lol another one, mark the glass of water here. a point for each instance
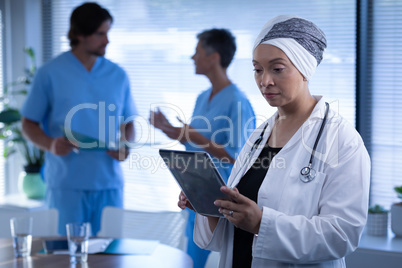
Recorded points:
(78, 236)
(21, 231)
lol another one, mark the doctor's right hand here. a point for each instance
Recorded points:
(61, 146)
(183, 202)
(159, 120)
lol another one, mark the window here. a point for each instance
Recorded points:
(2, 160)
(385, 81)
(154, 41)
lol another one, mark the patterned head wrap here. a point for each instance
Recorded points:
(301, 40)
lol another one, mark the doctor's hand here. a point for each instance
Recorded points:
(62, 146)
(243, 212)
(120, 154)
(183, 202)
(159, 121)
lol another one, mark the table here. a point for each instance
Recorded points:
(163, 256)
(377, 251)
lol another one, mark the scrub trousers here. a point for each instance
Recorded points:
(82, 206)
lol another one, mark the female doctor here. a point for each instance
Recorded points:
(299, 188)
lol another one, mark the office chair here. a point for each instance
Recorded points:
(168, 227)
(44, 221)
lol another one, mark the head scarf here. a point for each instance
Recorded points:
(301, 40)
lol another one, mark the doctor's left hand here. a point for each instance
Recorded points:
(243, 212)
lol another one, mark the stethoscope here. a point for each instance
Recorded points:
(257, 142)
(246, 162)
(307, 173)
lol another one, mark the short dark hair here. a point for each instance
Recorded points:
(221, 41)
(85, 20)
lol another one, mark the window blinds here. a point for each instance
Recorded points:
(386, 87)
(2, 84)
(154, 41)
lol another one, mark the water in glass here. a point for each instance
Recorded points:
(22, 245)
(78, 247)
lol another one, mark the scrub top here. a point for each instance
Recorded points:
(227, 119)
(93, 103)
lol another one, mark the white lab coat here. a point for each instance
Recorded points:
(312, 224)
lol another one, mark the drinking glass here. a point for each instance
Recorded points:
(78, 236)
(21, 231)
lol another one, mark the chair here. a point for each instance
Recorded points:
(44, 221)
(166, 226)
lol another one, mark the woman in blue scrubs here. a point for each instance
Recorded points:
(222, 118)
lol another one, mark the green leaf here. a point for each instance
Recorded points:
(32, 69)
(10, 116)
(18, 139)
(19, 92)
(30, 52)
(10, 127)
(8, 150)
(377, 209)
(398, 190)
(8, 88)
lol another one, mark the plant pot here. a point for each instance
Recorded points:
(396, 219)
(377, 224)
(31, 183)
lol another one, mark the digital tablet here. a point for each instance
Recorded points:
(197, 177)
(51, 246)
(85, 142)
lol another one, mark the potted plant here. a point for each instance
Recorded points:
(377, 221)
(396, 213)
(30, 181)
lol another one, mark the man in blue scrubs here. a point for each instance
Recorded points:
(78, 95)
(222, 118)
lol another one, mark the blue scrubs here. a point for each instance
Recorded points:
(93, 103)
(227, 119)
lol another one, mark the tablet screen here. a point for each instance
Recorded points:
(197, 177)
(55, 245)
